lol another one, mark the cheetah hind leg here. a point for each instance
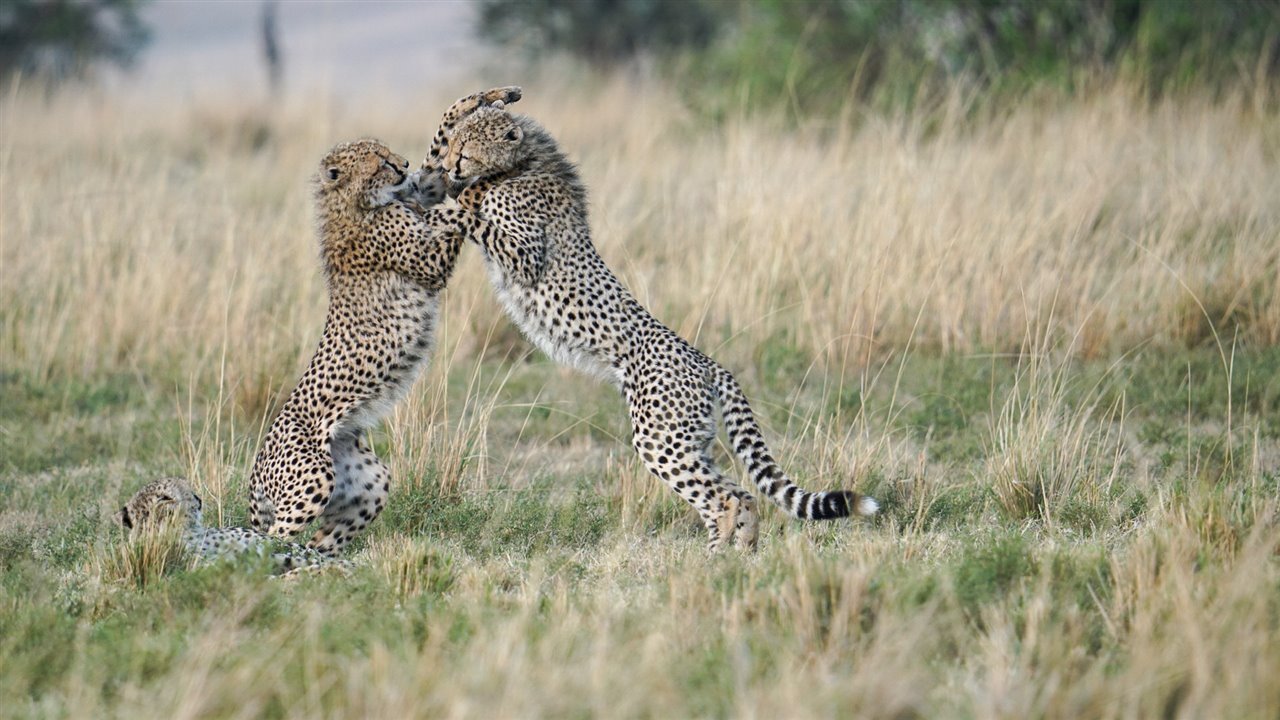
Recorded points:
(736, 517)
(729, 513)
(360, 492)
(739, 520)
(727, 510)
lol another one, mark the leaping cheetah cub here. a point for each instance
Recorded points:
(386, 262)
(537, 245)
(171, 500)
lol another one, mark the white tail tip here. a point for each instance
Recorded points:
(867, 506)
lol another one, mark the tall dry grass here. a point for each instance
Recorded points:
(145, 239)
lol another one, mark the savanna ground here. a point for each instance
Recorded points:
(1044, 337)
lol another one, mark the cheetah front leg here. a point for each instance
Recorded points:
(431, 172)
(424, 246)
(362, 483)
(462, 107)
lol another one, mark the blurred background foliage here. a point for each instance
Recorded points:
(809, 56)
(816, 55)
(59, 39)
(601, 31)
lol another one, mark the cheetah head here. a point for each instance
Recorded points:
(361, 175)
(166, 500)
(488, 142)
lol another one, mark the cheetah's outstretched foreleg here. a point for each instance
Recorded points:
(430, 183)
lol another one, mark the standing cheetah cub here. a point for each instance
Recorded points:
(385, 262)
(537, 245)
(171, 500)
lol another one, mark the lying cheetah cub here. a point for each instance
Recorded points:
(386, 262)
(172, 500)
(537, 245)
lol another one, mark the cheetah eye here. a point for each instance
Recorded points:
(333, 173)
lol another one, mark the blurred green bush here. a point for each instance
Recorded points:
(601, 31)
(817, 54)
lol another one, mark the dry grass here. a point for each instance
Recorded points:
(1050, 448)
(145, 558)
(140, 238)
(1083, 524)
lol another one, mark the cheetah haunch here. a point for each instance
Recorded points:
(553, 283)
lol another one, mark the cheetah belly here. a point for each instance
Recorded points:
(412, 353)
(522, 307)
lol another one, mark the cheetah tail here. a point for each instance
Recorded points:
(749, 445)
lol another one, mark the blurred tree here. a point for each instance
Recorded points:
(59, 39)
(601, 31)
(271, 47)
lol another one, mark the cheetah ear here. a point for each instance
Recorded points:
(515, 135)
(333, 173)
(122, 518)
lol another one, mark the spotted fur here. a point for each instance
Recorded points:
(171, 500)
(536, 240)
(385, 262)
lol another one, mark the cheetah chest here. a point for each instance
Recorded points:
(553, 328)
(410, 327)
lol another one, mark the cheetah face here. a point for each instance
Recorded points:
(489, 141)
(158, 502)
(365, 174)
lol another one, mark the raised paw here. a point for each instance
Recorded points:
(498, 97)
(501, 96)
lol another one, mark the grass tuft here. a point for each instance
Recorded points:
(145, 557)
(1054, 454)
